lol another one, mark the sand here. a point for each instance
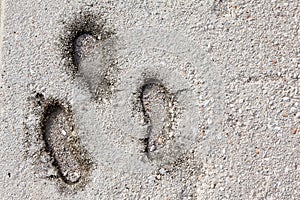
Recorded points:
(149, 100)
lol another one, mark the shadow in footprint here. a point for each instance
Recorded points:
(62, 143)
(83, 44)
(158, 110)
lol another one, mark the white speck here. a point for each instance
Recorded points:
(285, 98)
(63, 132)
(209, 121)
(163, 63)
(152, 148)
(162, 171)
(278, 141)
(171, 134)
(286, 170)
(224, 151)
(206, 103)
(277, 128)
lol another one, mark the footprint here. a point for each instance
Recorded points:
(175, 163)
(158, 110)
(88, 48)
(62, 144)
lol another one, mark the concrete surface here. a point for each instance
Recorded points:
(150, 100)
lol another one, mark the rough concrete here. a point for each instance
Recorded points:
(154, 100)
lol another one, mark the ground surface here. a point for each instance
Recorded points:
(150, 100)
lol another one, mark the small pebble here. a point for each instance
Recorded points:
(162, 171)
(63, 132)
(277, 128)
(206, 103)
(160, 140)
(152, 148)
(158, 177)
(285, 98)
(199, 178)
(256, 150)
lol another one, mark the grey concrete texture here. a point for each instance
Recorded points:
(150, 99)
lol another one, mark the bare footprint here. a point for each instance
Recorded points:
(175, 164)
(88, 48)
(62, 144)
(158, 110)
